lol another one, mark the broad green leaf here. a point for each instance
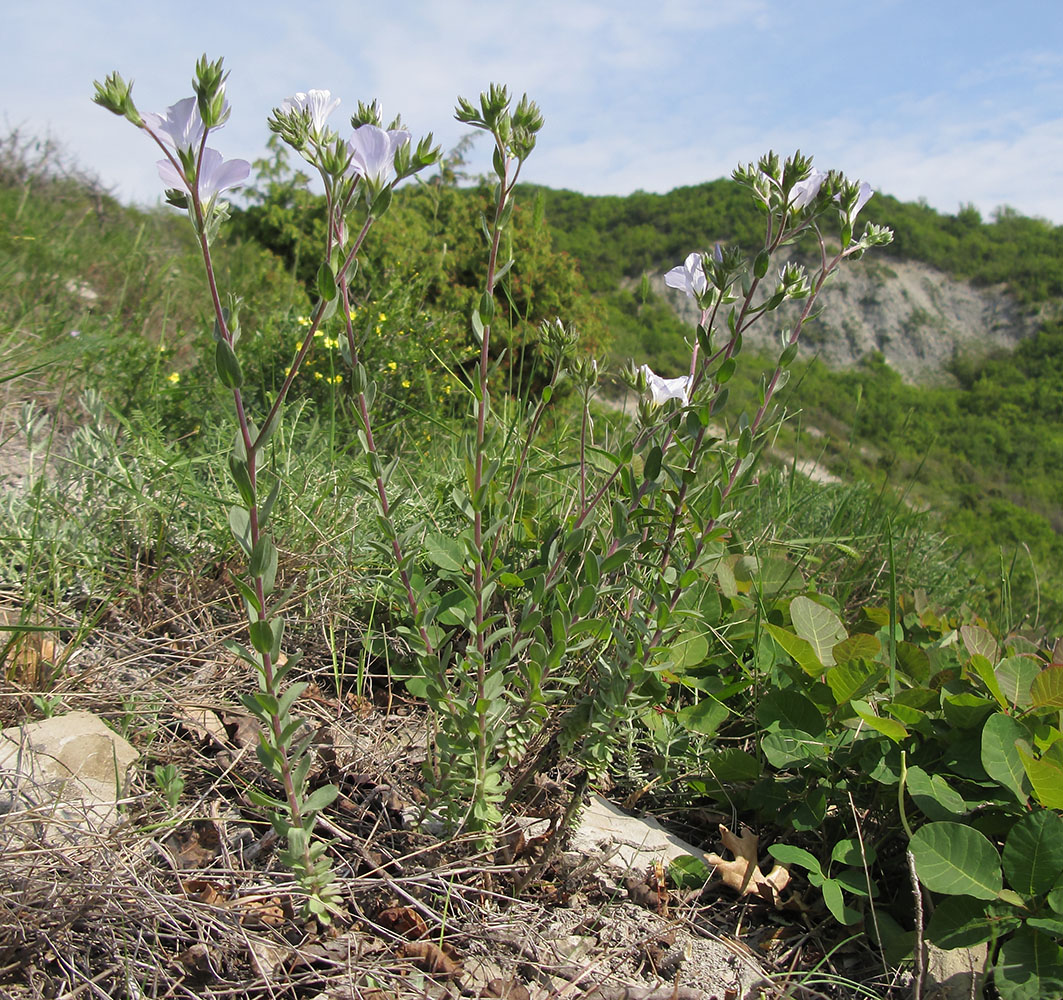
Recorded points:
(788, 855)
(933, 795)
(800, 649)
(1000, 757)
(445, 551)
(704, 717)
(956, 860)
(889, 728)
(860, 646)
(966, 710)
(688, 650)
(1033, 853)
(1016, 674)
(963, 922)
(848, 852)
(913, 662)
(768, 576)
(820, 627)
(790, 710)
(688, 872)
(1030, 967)
(1046, 691)
(852, 677)
(980, 641)
(733, 764)
(1046, 778)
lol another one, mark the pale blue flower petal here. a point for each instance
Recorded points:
(663, 389)
(181, 126)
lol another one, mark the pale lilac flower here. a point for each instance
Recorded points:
(805, 191)
(663, 389)
(215, 174)
(862, 198)
(689, 276)
(373, 152)
(181, 127)
(319, 103)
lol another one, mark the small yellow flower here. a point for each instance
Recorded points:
(319, 333)
(303, 321)
(405, 383)
(318, 375)
(383, 317)
(353, 314)
(174, 377)
(392, 366)
(287, 372)
(331, 343)
(377, 328)
(336, 379)
(298, 345)
(446, 389)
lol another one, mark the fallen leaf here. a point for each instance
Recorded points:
(743, 874)
(403, 921)
(202, 723)
(205, 891)
(431, 958)
(505, 989)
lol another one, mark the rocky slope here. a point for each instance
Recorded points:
(916, 316)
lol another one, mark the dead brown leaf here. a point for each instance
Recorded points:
(743, 873)
(403, 921)
(431, 958)
(505, 989)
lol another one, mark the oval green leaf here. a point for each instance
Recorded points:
(956, 860)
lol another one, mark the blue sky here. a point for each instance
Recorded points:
(950, 101)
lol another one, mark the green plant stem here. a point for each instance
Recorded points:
(269, 681)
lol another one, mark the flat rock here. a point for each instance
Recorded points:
(63, 776)
(634, 843)
(955, 974)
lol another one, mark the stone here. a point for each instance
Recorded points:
(634, 843)
(63, 777)
(955, 974)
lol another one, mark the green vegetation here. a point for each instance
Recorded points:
(724, 636)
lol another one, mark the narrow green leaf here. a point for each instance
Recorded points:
(240, 525)
(890, 728)
(228, 366)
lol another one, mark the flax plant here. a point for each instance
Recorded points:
(358, 176)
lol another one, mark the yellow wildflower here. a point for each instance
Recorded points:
(383, 317)
(331, 343)
(336, 379)
(303, 321)
(405, 383)
(174, 377)
(392, 366)
(298, 345)
(318, 375)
